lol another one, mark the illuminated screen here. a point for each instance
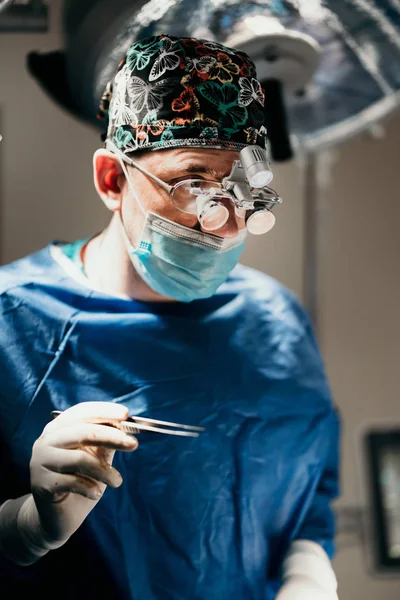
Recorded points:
(390, 484)
(383, 466)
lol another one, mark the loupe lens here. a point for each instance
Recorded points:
(211, 214)
(261, 221)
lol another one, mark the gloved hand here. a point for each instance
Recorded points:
(301, 588)
(70, 467)
(307, 573)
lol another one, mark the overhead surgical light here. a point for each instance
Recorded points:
(23, 16)
(333, 65)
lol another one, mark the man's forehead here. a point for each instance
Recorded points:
(207, 160)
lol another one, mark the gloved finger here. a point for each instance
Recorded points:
(94, 412)
(62, 483)
(79, 434)
(104, 455)
(81, 463)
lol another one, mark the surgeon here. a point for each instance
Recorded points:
(155, 318)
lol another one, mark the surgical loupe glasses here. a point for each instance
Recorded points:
(246, 188)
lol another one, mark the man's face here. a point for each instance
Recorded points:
(172, 166)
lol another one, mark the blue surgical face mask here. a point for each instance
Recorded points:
(179, 262)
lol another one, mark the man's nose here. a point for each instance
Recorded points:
(232, 226)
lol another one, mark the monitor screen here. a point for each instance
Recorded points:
(390, 483)
(383, 464)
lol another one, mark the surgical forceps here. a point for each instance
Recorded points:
(134, 425)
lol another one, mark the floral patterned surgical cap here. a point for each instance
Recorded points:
(173, 92)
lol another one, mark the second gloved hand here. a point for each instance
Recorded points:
(307, 573)
(71, 466)
(301, 588)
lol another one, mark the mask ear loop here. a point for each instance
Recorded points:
(129, 244)
(112, 148)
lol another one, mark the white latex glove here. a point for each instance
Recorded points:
(70, 467)
(301, 588)
(307, 573)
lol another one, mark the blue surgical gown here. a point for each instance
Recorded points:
(195, 518)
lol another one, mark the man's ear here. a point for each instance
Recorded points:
(108, 177)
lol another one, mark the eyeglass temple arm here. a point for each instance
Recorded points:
(111, 146)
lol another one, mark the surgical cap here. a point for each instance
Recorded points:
(173, 92)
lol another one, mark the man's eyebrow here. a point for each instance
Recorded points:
(193, 168)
